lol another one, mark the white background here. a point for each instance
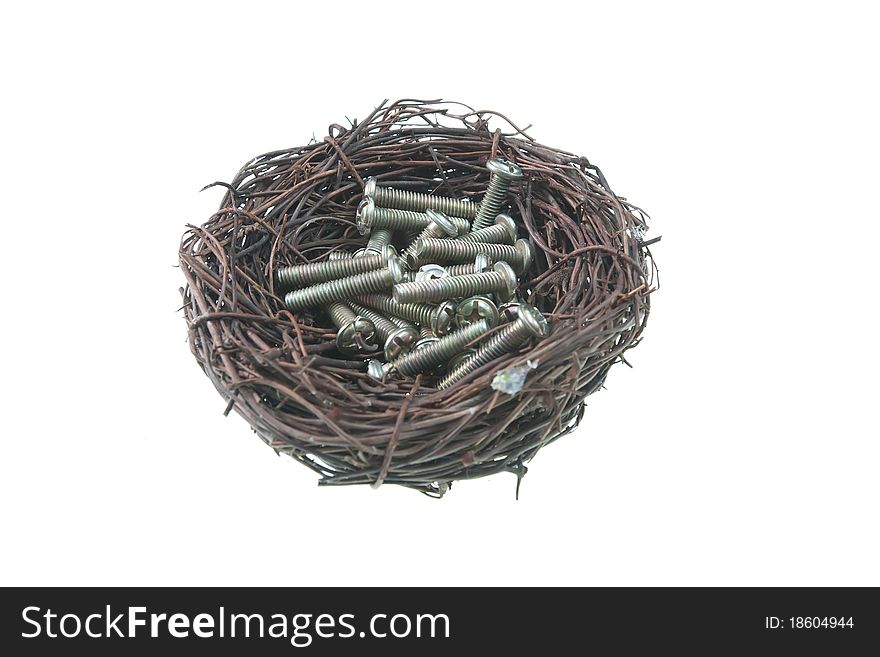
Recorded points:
(741, 449)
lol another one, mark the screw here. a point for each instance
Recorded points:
(481, 263)
(346, 288)
(426, 332)
(379, 239)
(474, 309)
(455, 251)
(355, 334)
(388, 197)
(442, 226)
(503, 231)
(502, 280)
(435, 353)
(503, 173)
(529, 323)
(332, 269)
(369, 217)
(439, 318)
(396, 340)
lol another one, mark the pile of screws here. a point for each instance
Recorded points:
(446, 305)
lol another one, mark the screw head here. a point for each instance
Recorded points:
(443, 221)
(504, 169)
(444, 318)
(398, 271)
(475, 308)
(364, 216)
(534, 320)
(458, 359)
(482, 263)
(525, 248)
(356, 336)
(507, 221)
(430, 272)
(370, 188)
(510, 279)
(399, 342)
(377, 369)
(508, 312)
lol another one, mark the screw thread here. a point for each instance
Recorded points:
(379, 239)
(400, 322)
(399, 220)
(384, 326)
(435, 230)
(461, 269)
(341, 314)
(450, 287)
(426, 332)
(399, 199)
(421, 313)
(495, 234)
(343, 288)
(492, 201)
(456, 251)
(431, 355)
(319, 272)
(505, 341)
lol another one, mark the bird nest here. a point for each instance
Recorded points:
(591, 277)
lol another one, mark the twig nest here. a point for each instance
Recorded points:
(590, 277)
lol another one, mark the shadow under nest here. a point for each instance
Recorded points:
(591, 276)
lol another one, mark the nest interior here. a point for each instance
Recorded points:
(591, 276)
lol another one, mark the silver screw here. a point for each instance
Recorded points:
(503, 173)
(530, 323)
(436, 353)
(369, 217)
(349, 287)
(474, 309)
(354, 334)
(441, 226)
(377, 369)
(455, 251)
(388, 197)
(396, 340)
(501, 280)
(481, 263)
(337, 267)
(439, 318)
(379, 239)
(503, 231)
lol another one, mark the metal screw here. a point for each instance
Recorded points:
(337, 267)
(502, 281)
(442, 226)
(503, 231)
(355, 334)
(503, 173)
(439, 352)
(455, 251)
(481, 263)
(325, 293)
(377, 369)
(530, 323)
(379, 239)
(439, 318)
(370, 217)
(388, 197)
(396, 340)
(474, 309)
